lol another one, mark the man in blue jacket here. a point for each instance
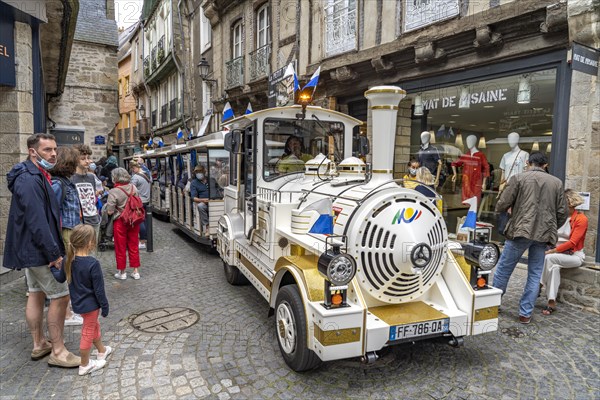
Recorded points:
(33, 242)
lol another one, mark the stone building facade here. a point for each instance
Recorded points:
(88, 107)
(42, 37)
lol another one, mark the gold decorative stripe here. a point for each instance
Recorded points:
(300, 216)
(382, 171)
(337, 336)
(390, 90)
(254, 271)
(483, 314)
(406, 313)
(300, 223)
(384, 107)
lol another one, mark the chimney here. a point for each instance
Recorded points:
(383, 101)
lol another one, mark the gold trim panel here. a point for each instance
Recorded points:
(384, 107)
(337, 336)
(483, 314)
(254, 271)
(390, 90)
(382, 171)
(406, 313)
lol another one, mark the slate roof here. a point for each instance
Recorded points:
(93, 26)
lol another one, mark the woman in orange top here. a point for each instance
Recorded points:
(569, 250)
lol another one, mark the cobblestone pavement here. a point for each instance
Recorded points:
(232, 351)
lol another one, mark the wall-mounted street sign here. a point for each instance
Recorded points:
(585, 59)
(7, 50)
(281, 90)
(99, 139)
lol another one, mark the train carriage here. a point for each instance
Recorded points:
(209, 152)
(348, 259)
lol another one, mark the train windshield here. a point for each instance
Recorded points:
(289, 143)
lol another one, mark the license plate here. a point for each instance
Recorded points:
(426, 328)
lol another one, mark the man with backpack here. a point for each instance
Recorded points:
(87, 190)
(125, 205)
(142, 183)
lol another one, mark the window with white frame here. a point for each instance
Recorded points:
(238, 39)
(263, 27)
(420, 13)
(205, 33)
(340, 26)
(206, 102)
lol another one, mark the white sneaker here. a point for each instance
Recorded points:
(119, 275)
(104, 356)
(93, 365)
(135, 275)
(75, 320)
(142, 245)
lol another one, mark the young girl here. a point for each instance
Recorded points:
(86, 285)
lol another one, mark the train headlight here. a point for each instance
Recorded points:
(339, 268)
(482, 255)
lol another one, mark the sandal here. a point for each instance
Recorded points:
(548, 310)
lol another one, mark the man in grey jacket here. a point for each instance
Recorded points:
(538, 206)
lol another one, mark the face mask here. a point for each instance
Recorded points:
(412, 171)
(93, 166)
(43, 163)
(199, 176)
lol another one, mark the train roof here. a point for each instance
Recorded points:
(290, 112)
(213, 140)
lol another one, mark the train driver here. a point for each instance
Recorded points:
(199, 195)
(293, 158)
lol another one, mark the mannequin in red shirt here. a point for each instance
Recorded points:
(475, 170)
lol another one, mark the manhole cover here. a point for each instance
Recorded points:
(168, 319)
(513, 332)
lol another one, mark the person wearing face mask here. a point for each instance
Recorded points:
(199, 195)
(33, 242)
(410, 179)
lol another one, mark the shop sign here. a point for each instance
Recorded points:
(99, 139)
(7, 50)
(485, 97)
(420, 13)
(67, 136)
(281, 90)
(585, 59)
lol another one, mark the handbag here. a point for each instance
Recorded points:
(503, 182)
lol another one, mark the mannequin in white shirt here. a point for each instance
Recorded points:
(425, 140)
(514, 161)
(472, 146)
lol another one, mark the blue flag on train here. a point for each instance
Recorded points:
(314, 80)
(471, 220)
(160, 142)
(227, 112)
(289, 71)
(150, 142)
(179, 134)
(249, 109)
(323, 224)
(191, 134)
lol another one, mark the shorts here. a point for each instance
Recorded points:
(40, 279)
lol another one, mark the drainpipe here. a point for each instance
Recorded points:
(148, 94)
(181, 71)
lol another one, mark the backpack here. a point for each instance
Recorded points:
(133, 214)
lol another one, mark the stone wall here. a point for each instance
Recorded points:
(90, 99)
(16, 114)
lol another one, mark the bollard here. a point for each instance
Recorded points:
(149, 238)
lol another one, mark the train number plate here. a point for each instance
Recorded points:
(426, 328)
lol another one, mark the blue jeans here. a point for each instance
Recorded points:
(143, 234)
(513, 250)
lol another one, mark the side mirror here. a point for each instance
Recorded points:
(232, 141)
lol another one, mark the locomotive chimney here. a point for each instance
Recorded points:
(383, 101)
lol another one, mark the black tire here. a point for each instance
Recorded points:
(297, 356)
(233, 275)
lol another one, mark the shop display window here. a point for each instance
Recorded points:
(480, 116)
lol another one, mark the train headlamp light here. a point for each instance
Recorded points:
(482, 255)
(339, 268)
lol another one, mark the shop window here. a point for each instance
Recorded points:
(478, 117)
(420, 13)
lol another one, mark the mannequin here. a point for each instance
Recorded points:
(475, 171)
(514, 161)
(429, 157)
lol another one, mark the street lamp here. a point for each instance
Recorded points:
(203, 70)
(141, 111)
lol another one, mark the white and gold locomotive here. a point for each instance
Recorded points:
(385, 274)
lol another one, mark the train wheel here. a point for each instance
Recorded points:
(290, 321)
(233, 275)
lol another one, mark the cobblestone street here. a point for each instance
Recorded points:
(232, 352)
